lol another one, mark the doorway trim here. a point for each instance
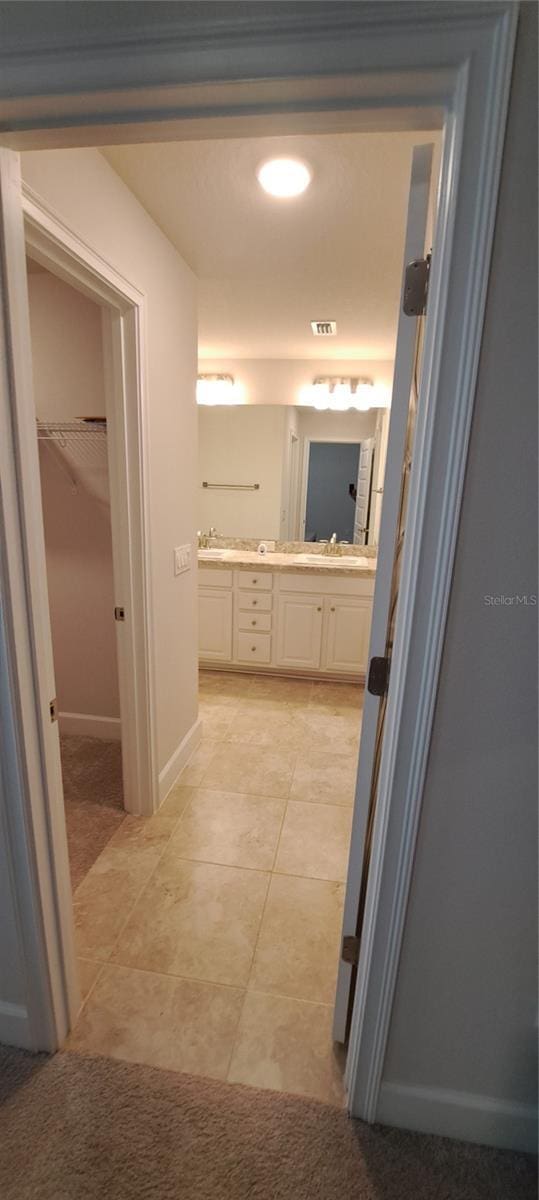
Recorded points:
(56, 247)
(255, 78)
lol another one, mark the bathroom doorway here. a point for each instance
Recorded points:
(332, 480)
(455, 128)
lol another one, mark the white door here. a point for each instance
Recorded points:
(299, 631)
(364, 473)
(397, 469)
(348, 621)
(215, 624)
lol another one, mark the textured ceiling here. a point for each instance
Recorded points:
(266, 268)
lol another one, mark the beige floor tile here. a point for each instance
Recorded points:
(324, 778)
(256, 770)
(277, 729)
(337, 696)
(286, 1045)
(335, 733)
(213, 699)
(173, 1023)
(227, 684)
(315, 841)
(137, 833)
(193, 774)
(277, 690)
(104, 899)
(298, 945)
(176, 801)
(229, 828)
(216, 719)
(197, 920)
(87, 972)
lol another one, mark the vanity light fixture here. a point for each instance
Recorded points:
(284, 177)
(341, 393)
(217, 389)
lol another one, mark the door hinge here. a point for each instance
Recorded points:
(350, 950)
(53, 709)
(378, 679)
(119, 613)
(416, 286)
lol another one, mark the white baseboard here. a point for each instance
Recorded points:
(505, 1124)
(178, 760)
(15, 1026)
(88, 725)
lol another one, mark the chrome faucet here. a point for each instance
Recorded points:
(212, 532)
(332, 545)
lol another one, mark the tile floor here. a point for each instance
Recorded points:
(208, 934)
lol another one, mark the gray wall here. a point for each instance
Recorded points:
(465, 1011)
(330, 507)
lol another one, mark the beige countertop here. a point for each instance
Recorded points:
(325, 564)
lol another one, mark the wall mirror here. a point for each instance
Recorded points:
(291, 473)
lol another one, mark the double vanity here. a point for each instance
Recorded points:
(287, 586)
(289, 612)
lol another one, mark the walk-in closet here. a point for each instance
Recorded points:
(69, 389)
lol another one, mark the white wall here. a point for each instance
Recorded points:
(353, 426)
(280, 380)
(67, 350)
(241, 445)
(465, 1014)
(67, 360)
(86, 192)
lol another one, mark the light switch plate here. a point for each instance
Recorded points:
(182, 559)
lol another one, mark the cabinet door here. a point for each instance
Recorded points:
(215, 624)
(348, 623)
(299, 631)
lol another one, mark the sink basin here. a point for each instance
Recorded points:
(336, 560)
(315, 558)
(211, 553)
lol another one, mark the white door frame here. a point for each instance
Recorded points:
(50, 242)
(370, 66)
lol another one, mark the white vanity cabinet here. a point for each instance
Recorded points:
(310, 622)
(299, 631)
(348, 626)
(215, 616)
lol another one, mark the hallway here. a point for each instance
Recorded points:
(208, 934)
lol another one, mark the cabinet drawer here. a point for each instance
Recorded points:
(262, 581)
(254, 600)
(260, 621)
(214, 577)
(254, 647)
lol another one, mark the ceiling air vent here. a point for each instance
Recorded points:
(324, 328)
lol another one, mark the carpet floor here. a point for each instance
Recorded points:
(92, 776)
(84, 1128)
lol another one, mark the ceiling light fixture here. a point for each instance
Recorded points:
(284, 177)
(217, 389)
(340, 394)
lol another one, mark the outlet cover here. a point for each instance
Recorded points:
(182, 559)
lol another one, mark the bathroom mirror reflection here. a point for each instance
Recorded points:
(291, 473)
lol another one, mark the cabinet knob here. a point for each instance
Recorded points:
(332, 609)
(255, 580)
(253, 622)
(255, 601)
(319, 608)
(253, 648)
